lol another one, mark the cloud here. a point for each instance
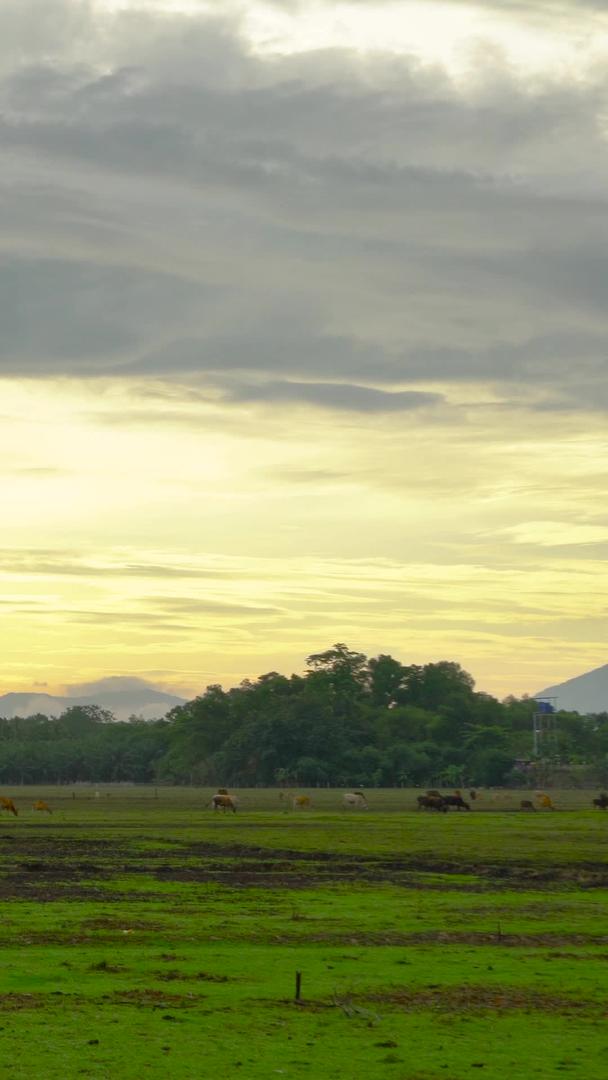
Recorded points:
(142, 624)
(557, 533)
(309, 476)
(110, 684)
(202, 606)
(72, 316)
(333, 396)
(38, 562)
(175, 206)
(34, 472)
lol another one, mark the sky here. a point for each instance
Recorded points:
(303, 326)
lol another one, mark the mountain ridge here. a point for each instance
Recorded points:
(144, 701)
(586, 693)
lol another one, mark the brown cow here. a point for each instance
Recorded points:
(40, 804)
(8, 804)
(602, 801)
(301, 802)
(527, 804)
(223, 802)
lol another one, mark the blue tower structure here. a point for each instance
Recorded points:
(543, 726)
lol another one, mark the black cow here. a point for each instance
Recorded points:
(457, 801)
(432, 802)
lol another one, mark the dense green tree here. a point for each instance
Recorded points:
(347, 720)
(386, 680)
(79, 720)
(490, 767)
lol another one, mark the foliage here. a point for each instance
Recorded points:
(347, 721)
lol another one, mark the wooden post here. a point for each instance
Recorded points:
(298, 985)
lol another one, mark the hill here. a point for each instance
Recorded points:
(122, 697)
(586, 693)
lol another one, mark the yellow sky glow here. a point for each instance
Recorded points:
(186, 553)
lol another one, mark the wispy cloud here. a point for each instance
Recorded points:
(333, 396)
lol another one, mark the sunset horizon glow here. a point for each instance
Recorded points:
(303, 311)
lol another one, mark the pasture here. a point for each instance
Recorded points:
(143, 933)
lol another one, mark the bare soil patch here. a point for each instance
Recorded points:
(157, 999)
(109, 922)
(186, 976)
(47, 868)
(463, 998)
(248, 861)
(34, 887)
(142, 998)
(438, 937)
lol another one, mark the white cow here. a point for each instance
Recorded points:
(356, 799)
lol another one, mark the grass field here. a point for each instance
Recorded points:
(145, 936)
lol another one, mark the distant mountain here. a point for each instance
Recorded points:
(586, 693)
(123, 697)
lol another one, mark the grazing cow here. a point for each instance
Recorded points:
(457, 801)
(545, 800)
(8, 805)
(301, 802)
(527, 804)
(602, 801)
(223, 802)
(356, 799)
(40, 804)
(432, 802)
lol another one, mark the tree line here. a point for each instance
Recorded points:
(348, 721)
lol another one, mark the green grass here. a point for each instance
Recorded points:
(146, 936)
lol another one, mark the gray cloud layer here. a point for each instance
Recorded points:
(320, 228)
(334, 395)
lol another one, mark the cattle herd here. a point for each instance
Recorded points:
(9, 806)
(351, 800)
(223, 800)
(432, 800)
